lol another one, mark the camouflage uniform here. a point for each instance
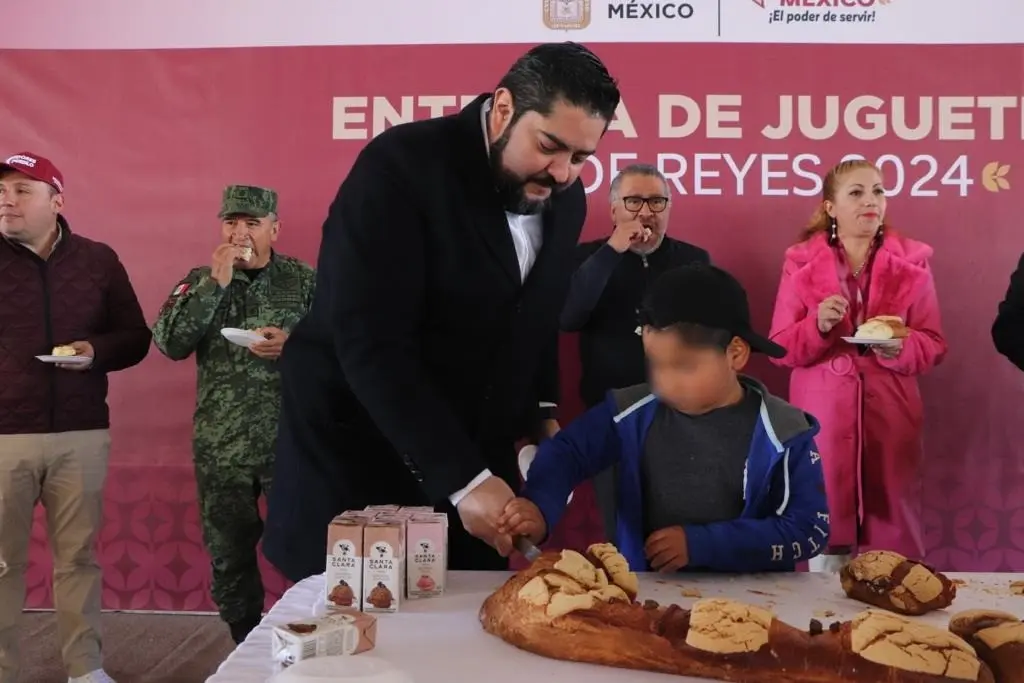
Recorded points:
(237, 403)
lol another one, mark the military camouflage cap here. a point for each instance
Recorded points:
(247, 200)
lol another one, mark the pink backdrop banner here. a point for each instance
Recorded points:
(147, 140)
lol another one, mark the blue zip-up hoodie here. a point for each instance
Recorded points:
(785, 516)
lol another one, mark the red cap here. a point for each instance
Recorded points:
(35, 167)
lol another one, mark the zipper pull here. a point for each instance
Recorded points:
(643, 258)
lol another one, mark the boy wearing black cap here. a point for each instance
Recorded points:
(711, 472)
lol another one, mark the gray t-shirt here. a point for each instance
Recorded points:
(692, 465)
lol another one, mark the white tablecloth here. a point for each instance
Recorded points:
(440, 640)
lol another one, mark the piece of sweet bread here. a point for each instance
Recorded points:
(997, 637)
(883, 327)
(889, 580)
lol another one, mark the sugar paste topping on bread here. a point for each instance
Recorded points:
(577, 584)
(892, 640)
(727, 627)
(879, 565)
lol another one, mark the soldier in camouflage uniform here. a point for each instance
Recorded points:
(238, 397)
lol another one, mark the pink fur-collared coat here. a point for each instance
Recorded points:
(869, 407)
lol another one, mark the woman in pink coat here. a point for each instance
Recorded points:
(849, 267)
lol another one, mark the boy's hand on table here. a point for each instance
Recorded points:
(666, 549)
(522, 518)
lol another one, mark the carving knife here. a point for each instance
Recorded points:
(527, 549)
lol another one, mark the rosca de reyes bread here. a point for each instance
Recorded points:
(889, 580)
(997, 637)
(883, 327)
(567, 606)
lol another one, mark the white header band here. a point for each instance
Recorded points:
(150, 24)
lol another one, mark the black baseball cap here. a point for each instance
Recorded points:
(704, 295)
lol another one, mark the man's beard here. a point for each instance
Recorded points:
(512, 188)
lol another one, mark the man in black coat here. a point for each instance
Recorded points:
(612, 277)
(431, 344)
(1008, 328)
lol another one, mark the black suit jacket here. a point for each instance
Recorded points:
(423, 356)
(604, 299)
(1008, 328)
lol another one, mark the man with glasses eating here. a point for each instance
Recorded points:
(612, 276)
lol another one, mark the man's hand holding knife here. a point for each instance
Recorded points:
(480, 510)
(492, 513)
(522, 519)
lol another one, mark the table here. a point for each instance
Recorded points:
(440, 640)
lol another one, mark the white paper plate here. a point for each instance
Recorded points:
(868, 342)
(70, 360)
(242, 337)
(343, 669)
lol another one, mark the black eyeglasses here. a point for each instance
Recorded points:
(656, 204)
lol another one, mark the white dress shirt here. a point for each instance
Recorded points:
(528, 237)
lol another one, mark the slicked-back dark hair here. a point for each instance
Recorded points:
(561, 71)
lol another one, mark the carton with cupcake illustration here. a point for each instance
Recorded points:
(343, 579)
(383, 565)
(426, 555)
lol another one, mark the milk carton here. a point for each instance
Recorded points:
(365, 515)
(426, 564)
(342, 632)
(343, 579)
(384, 564)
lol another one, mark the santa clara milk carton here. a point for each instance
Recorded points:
(343, 580)
(384, 564)
(426, 560)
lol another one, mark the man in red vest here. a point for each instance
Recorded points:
(68, 316)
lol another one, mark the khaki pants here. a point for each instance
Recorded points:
(65, 472)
